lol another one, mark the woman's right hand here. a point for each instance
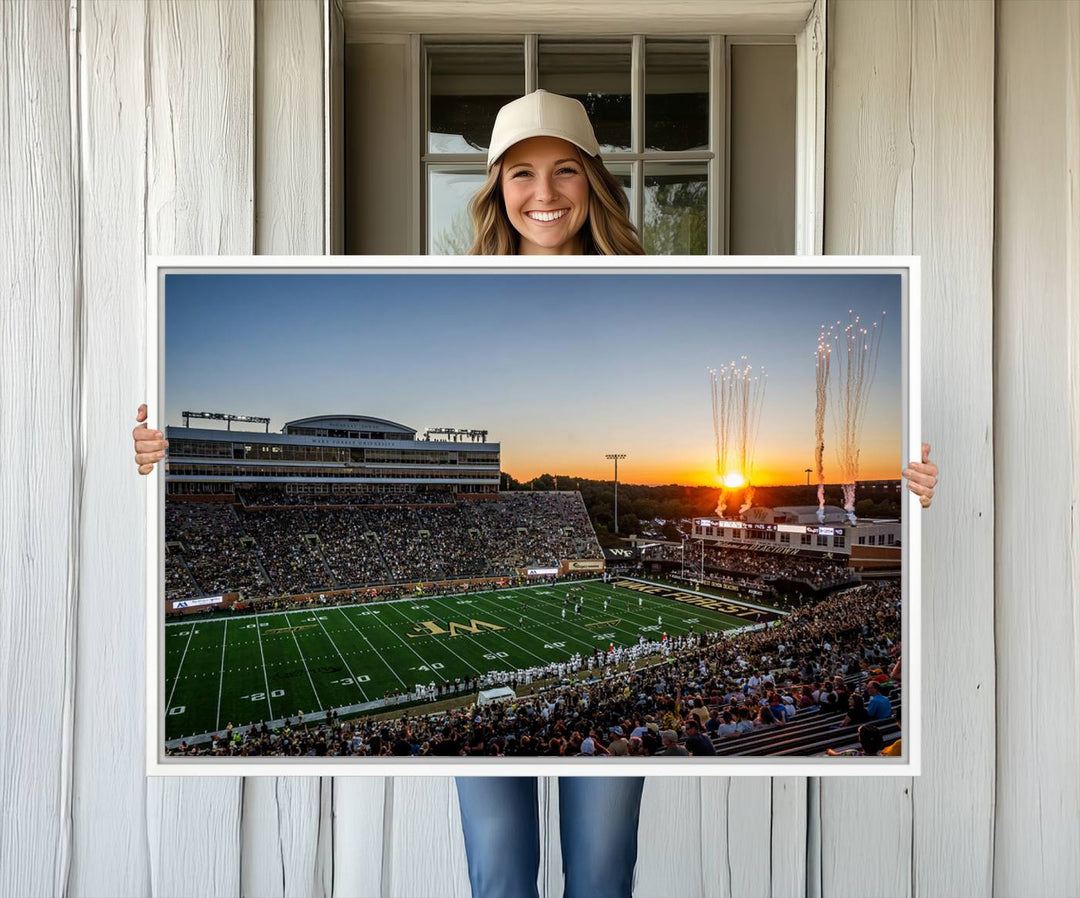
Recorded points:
(150, 444)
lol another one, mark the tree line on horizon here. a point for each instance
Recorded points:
(673, 503)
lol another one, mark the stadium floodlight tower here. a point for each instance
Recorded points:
(457, 434)
(616, 456)
(219, 416)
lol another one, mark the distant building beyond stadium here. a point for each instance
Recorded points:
(870, 543)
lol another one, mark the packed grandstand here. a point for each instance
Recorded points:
(340, 510)
(822, 680)
(264, 545)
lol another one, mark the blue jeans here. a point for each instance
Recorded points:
(598, 822)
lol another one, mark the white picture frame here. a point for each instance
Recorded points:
(907, 267)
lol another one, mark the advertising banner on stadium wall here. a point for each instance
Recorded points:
(327, 515)
(582, 565)
(197, 603)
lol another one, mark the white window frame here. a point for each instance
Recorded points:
(809, 40)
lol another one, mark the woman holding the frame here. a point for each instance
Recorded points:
(547, 193)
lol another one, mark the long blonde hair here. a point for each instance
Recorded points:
(607, 232)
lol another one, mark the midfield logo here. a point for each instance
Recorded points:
(431, 628)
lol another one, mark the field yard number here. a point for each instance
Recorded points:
(252, 626)
(179, 709)
(435, 666)
(605, 635)
(348, 681)
(491, 656)
(261, 696)
(375, 611)
(692, 620)
(652, 628)
(554, 645)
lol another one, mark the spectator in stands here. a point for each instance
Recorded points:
(671, 747)
(618, 746)
(893, 749)
(777, 707)
(877, 707)
(856, 711)
(697, 743)
(728, 727)
(746, 724)
(870, 740)
(765, 718)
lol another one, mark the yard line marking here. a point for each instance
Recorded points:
(375, 650)
(176, 679)
(318, 701)
(221, 677)
(558, 626)
(717, 620)
(508, 639)
(342, 657)
(588, 617)
(266, 682)
(418, 655)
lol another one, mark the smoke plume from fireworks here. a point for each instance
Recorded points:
(856, 351)
(738, 394)
(824, 354)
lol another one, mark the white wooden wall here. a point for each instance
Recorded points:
(191, 126)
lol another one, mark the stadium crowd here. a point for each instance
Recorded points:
(818, 573)
(706, 685)
(260, 496)
(304, 548)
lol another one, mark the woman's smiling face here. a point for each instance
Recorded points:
(546, 195)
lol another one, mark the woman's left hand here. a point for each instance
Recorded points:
(922, 477)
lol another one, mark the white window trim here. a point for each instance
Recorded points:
(809, 129)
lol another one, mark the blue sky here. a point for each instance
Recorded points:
(560, 369)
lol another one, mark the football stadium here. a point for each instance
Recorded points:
(350, 586)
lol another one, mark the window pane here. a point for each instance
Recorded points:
(676, 95)
(676, 209)
(449, 192)
(597, 74)
(624, 176)
(762, 197)
(467, 84)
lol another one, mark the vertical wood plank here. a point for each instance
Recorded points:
(1038, 452)
(40, 446)
(334, 127)
(788, 837)
(736, 836)
(952, 132)
(909, 170)
(669, 838)
(289, 127)
(868, 197)
(109, 778)
(358, 827)
(425, 848)
(282, 815)
(199, 200)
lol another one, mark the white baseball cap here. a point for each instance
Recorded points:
(541, 114)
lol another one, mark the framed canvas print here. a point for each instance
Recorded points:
(506, 516)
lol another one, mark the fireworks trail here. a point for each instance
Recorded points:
(824, 354)
(856, 349)
(737, 399)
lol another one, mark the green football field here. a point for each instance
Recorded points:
(250, 668)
